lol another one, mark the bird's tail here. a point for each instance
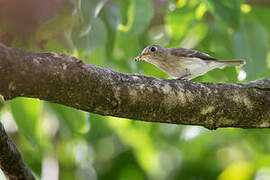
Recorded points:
(224, 63)
(236, 62)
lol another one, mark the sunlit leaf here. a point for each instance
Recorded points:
(139, 15)
(136, 136)
(237, 171)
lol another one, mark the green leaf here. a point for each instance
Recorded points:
(262, 16)
(228, 11)
(95, 37)
(195, 35)
(123, 5)
(97, 34)
(178, 23)
(90, 11)
(129, 46)
(137, 136)
(91, 33)
(139, 14)
(26, 112)
(250, 43)
(111, 18)
(76, 120)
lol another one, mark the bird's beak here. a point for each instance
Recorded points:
(141, 56)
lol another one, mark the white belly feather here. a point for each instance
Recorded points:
(194, 66)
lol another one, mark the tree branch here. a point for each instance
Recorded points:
(11, 161)
(66, 80)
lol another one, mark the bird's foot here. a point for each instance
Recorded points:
(181, 79)
(184, 77)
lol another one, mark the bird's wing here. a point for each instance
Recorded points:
(182, 52)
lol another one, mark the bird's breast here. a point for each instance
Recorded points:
(179, 66)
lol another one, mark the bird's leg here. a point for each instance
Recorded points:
(185, 75)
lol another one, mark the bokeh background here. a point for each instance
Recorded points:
(58, 142)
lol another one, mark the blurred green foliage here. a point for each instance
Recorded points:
(58, 141)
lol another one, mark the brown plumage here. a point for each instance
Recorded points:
(182, 52)
(183, 63)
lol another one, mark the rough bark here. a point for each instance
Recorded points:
(66, 80)
(11, 161)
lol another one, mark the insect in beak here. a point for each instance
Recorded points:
(141, 57)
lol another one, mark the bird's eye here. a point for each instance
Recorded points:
(153, 49)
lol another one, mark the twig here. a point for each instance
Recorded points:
(11, 162)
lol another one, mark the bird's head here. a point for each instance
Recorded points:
(152, 53)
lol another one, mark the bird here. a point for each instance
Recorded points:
(182, 63)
